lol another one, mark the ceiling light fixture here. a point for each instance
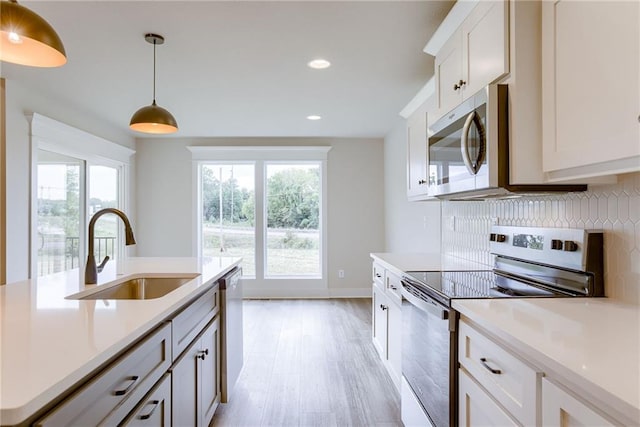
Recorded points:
(314, 117)
(153, 118)
(27, 39)
(319, 64)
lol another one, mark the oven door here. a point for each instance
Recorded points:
(429, 355)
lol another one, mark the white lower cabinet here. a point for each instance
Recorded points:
(476, 407)
(561, 408)
(509, 383)
(386, 313)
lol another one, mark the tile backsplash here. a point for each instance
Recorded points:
(612, 208)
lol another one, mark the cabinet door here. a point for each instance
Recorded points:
(380, 311)
(485, 46)
(184, 387)
(559, 408)
(448, 72)
(209, 372)
(476, 408)
(591, 106)
(417, 179)
(155, 408)
(394, 342)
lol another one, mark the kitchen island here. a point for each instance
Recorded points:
(51, 344)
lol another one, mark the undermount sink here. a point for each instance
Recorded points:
(139, 288)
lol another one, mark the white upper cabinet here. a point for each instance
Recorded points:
(591, 89)
(474, 56)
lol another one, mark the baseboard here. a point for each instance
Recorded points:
(306, 293)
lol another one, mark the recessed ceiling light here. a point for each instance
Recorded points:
(319, 64)
(314, 117)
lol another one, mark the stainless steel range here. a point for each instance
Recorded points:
(530, 262)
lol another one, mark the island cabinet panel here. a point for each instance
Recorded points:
(115, 391)
(155, 409)
(188, 324)
(196, 380)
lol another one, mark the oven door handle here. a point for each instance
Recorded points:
(430, 307)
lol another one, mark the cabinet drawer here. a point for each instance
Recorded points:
(511, 382)
(155, 408)
(111, 395)
(476, 407)
(394, 287)
(187, 324)
(378, 275)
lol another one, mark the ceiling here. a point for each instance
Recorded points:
(238, 68)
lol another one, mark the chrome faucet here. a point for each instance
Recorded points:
(91, 270)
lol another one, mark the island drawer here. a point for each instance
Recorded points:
(187, 324)
(117, 389)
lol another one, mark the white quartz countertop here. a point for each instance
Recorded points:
(592, 344)
(424, 262)
(50, 343)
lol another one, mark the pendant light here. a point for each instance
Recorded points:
(27, 39)
(153, 118)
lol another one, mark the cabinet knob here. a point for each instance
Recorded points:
(383, 307)
(421, 181)
(459, 85)
(203, 354)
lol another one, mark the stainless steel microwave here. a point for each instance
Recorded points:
(464, 144)
(469, 151)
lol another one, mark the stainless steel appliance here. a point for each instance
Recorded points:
(469, 150)
(231, 359)
(529, 262)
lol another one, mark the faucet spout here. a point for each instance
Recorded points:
(91, 270)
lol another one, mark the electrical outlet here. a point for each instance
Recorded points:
(340, 274)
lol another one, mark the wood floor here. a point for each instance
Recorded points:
(310, 363)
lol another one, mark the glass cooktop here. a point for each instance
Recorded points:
(473, 284)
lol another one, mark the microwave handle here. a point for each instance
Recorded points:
(464, 146)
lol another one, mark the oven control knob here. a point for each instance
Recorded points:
(570, 246)
(492, 237)
(501, 238)
(556, 244)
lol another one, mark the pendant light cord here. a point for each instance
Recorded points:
(154, 72)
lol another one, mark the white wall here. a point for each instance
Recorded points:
(355, 202)
(409, 226)
(21, 101)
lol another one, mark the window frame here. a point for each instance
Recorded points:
(51, 135)
(260, 156)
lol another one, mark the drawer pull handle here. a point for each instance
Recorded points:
(124, 391)
(395, 288)
(378, 275)
(148, 415)
(483, 360)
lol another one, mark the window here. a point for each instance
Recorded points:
(292, 208)
(58, 228)
(228, 212)
(75, 174)
(264, 204)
